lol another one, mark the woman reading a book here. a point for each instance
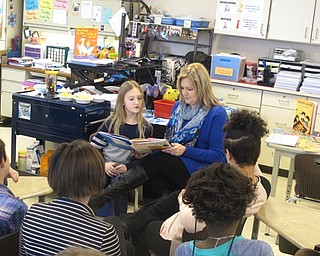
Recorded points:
(195, 131)
(159, 226)
(126, 120)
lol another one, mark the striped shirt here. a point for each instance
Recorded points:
(49, 228)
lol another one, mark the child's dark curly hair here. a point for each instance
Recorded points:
(244, 131)
(218, 194)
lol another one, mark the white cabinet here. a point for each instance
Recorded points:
(11, 81)
(315, 38)
(278, 110)
(238, 97)
(291, 20)
(242, 18)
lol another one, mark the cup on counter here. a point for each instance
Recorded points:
(51, 82)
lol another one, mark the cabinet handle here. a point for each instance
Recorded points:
(284, 102)
(281, 124)
(305, 32)
(234, 96)
(261, 30)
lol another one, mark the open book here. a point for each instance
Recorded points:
(142, 146)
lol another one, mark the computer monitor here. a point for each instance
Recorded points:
(145, 46)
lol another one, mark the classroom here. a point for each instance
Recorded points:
(67, 65)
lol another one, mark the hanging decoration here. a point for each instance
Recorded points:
(12, 19)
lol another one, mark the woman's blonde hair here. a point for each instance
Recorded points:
(199, 78)
(118, 117)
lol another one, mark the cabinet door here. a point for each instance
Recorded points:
(238, 96)
(291, 20)
(315, 38)
(242, 18)
(6, 103)
(276, 118)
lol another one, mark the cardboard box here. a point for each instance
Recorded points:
(227, 67)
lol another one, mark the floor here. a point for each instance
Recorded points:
(23, 142)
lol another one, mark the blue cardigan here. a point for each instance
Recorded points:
(209, 146)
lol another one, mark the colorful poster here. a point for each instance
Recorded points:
(32, 15)
(239, 15)
(45, 9)
(31, 5)
(85, 42)
(61, 4)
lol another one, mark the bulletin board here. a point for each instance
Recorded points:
(46, 12)
(99, 16)
(71, 13)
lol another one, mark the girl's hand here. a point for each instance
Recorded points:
(14, 175)
(137, 155)
(176, 149)
(121, 168)
(110, 169)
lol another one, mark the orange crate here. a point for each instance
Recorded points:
(163, 108)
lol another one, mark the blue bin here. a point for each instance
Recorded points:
(168, 21)
(194, 23)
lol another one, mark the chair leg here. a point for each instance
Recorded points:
(136, 199)
(255, 228)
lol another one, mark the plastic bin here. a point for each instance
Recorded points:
(168, 21)
(163, 108)
(227, 67)
(194, 23)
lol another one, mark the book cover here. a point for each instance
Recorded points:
(306, 112)
(86, 39)
(142, 146)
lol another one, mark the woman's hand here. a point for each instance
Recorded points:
(110, 169)
(121, 168)
(137, 155)
(176, 149)
(14, 175)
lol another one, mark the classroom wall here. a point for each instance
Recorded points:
(250, 47)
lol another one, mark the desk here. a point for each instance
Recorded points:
(54, 120)
(298, 224)
(30, 186)
(285, 151)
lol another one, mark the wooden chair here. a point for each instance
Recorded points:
(9, 244)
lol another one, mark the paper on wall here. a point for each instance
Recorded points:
(115, 21)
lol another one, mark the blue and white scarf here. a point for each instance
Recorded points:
(188, 134)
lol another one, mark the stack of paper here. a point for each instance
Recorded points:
(283, 139)
(288, 80)
(311, 85)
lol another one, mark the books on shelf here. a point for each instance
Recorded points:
(142, 146)
(283, 139)
(305, 116)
